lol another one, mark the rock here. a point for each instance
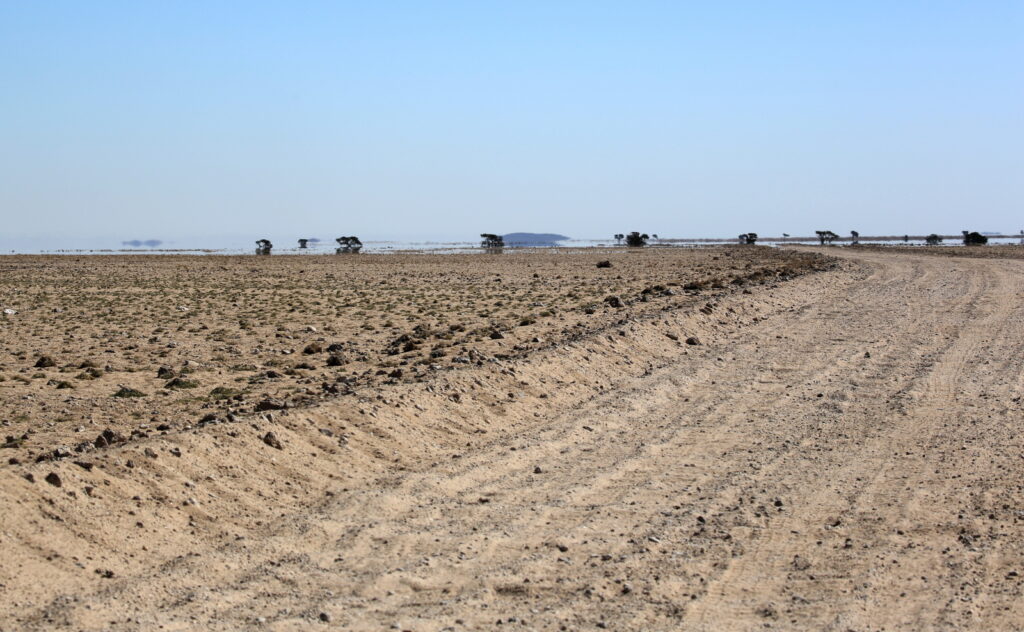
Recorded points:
(613, 301)
(335, 347)
(271, 439)
(126, 391)
(336, 359)
(313, 347)
(867, 354)
(270, 404)
(604, 264)
(326, 618)
(672, 336)
(537, 470)
(53, 479)
(45, 362)
(496, 335)
(397, 373)
(166, 373)
(178, 383)
(108, 437)
(150, 452)
(693, 341)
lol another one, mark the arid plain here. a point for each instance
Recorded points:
(729, 438)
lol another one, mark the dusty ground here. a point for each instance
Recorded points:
(840, 452)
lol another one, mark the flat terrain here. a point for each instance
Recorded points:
(837, 448)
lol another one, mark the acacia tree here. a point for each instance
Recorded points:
(637, 240)
(618, 238)
(974, 239)
(933, 240)
(303, 242)
(263, 246)
(748, 239)
(826, 236)
(492, 242)
(854, 236)
(350, 244)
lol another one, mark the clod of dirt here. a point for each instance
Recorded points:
(271, 439)
(53, 479)
(693, 341)
(45, 362)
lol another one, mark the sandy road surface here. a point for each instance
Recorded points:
(853, 462)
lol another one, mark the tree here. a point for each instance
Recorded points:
(349, 244)
(619, 238)
(933, 240)
(263, 246)
(303, 242)
(492, 242)
(826, 236)
(637, 240)
(748, 239)
(974, 239)
(854, 236)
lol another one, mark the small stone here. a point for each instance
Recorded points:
(45, 362)
(537, 470)
(326, 618)
(693, 341)
(271, 439)
(53, 479)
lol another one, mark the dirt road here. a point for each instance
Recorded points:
(850, 460)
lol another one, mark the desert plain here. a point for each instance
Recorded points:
(729, 438)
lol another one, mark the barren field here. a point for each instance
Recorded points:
(721, 439)
(993, 251)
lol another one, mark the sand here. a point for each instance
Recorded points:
(809, 445)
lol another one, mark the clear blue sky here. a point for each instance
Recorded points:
(447, 119)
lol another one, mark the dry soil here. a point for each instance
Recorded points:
(822, 447)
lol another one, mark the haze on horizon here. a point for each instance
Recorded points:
(421, 120)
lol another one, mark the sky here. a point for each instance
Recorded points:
(187, 120)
